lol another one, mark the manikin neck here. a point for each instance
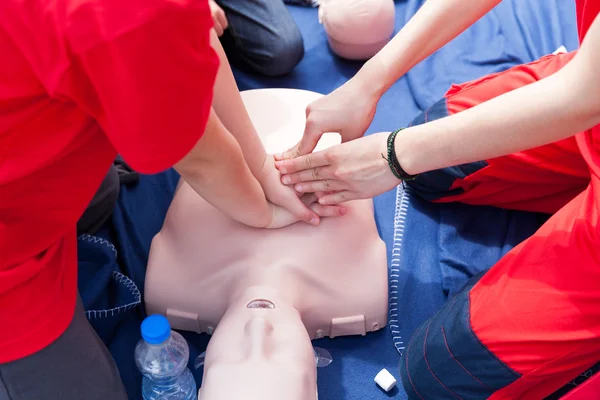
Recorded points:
(260, 292)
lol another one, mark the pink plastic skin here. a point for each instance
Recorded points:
(306, 282)
(357, 29)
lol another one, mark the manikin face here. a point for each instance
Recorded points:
(260, 350)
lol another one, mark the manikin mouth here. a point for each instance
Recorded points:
(261, 303)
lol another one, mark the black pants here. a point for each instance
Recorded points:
(102, 205)
(75, 366)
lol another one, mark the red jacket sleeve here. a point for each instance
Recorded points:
(149, 87)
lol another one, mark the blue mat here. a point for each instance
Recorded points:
(432, 249)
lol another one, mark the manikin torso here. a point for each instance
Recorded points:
(263, 294)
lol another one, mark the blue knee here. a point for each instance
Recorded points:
(445, 359)
(280, 54)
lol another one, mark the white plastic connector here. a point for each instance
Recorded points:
(385, 380)
(560, 50)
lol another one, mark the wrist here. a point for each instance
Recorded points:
(261, 209)
(267, 218)
(404, 157)
(260, 166)
(392, 162)
(372, 78)
(383, 157)
(257, 211)
(256, 163)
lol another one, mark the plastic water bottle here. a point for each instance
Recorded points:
(162, 356)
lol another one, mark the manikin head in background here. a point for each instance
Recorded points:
(357, 29)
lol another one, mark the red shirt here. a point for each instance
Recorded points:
(589, 142)
(81, 80)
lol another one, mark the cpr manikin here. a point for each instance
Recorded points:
(264, 294)
(357, 29)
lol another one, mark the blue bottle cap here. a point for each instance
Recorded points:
(156, 329)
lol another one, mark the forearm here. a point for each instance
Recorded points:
(229, 106)
(436, 23)
(543, 112)
(217, 171)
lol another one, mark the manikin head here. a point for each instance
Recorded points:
(357, 29)
(260, 350)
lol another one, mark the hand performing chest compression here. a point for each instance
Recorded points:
(288, 206)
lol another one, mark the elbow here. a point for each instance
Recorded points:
(593, 94)
(580, 82)
(585, 103)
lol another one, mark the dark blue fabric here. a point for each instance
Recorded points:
(445, 360)
(442, 245)
(262, 37)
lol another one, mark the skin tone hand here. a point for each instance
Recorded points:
(281, 217)
(349, 171)
(349, 110)
(219, 18)
(229, 106)
(542, 112)
(288, 206)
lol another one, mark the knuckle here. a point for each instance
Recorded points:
(331, 157)
(305, 216)
(309, 109)
(342, 196)
(327, 184)
(309, 161)
(315, 173)
(306, 188)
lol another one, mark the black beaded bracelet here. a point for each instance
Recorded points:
(393, 160)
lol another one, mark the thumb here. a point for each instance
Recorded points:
(311, 136)
(300, 210)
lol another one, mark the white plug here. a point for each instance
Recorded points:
(561, 49)
(385, 380)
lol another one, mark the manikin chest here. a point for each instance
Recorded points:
(335, 275)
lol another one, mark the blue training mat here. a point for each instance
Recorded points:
(432, 248)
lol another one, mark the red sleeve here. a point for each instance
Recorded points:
(149, 87)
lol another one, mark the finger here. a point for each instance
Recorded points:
(218, 28)
(308, 175)
(312, 135)
(300, 210)
(338, 197)
(222, 19)
(328, 211)
(301, 163)
(292, 152)
(322, 194)
(325, 185)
